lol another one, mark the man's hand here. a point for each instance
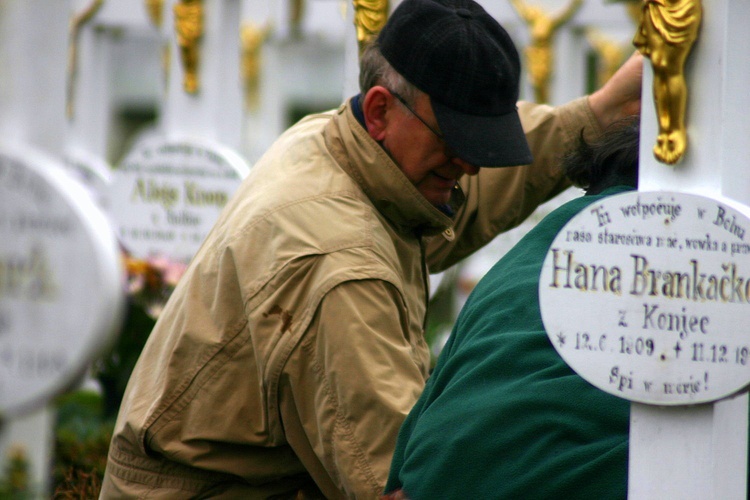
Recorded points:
(620, 97)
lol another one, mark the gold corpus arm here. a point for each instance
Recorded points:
(189, 26)
(155, 9)
(666, 35)
(610, 53)
(369, 18)
(252, 38)
(76, 24)
(539, 53)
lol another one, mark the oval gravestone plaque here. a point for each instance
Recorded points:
(167, 194)
(61, 284)
(646, 294)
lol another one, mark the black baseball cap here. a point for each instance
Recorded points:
(460, 56)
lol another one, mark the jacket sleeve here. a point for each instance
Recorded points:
(499, 199)
(348, 386)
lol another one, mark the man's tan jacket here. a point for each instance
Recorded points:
(293, 347)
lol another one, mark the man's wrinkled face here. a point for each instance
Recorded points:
(411, 138)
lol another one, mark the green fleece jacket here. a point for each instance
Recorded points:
(503, 416)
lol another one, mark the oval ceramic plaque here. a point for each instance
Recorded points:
(167, 194)
(646, 294)
(61, 283)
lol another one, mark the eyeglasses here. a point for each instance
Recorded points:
(411, 110)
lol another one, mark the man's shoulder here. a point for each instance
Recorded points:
(302, 217)
(325, 219)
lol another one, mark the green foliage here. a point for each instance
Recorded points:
(15, 484)
(82, 436)
(113, 370)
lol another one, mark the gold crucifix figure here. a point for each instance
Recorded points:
(542, 28)
(189, 25)
(252, 38)
(666, 34)
(611, 54)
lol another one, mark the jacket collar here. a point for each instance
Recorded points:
(381, 179)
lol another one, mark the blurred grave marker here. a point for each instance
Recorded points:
(169, 190)
(60, 280)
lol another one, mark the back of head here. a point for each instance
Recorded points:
(461, 57)
(610, 160)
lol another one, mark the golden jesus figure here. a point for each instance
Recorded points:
(542, 27)
(666, 34)
(189, 25)
(252, 37)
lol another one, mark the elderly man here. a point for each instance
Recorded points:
(293, 348)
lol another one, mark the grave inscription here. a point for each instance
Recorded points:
(166, 195)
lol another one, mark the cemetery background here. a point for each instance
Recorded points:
(112, 86)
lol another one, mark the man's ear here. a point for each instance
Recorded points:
(375, 107)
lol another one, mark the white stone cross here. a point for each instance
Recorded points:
(60, 274)
(666, 270)
(700, 452)
(87, 99)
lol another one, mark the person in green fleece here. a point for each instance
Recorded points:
(503, 416)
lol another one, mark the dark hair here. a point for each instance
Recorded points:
(610, 160)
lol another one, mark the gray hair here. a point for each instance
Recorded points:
(375, 70)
